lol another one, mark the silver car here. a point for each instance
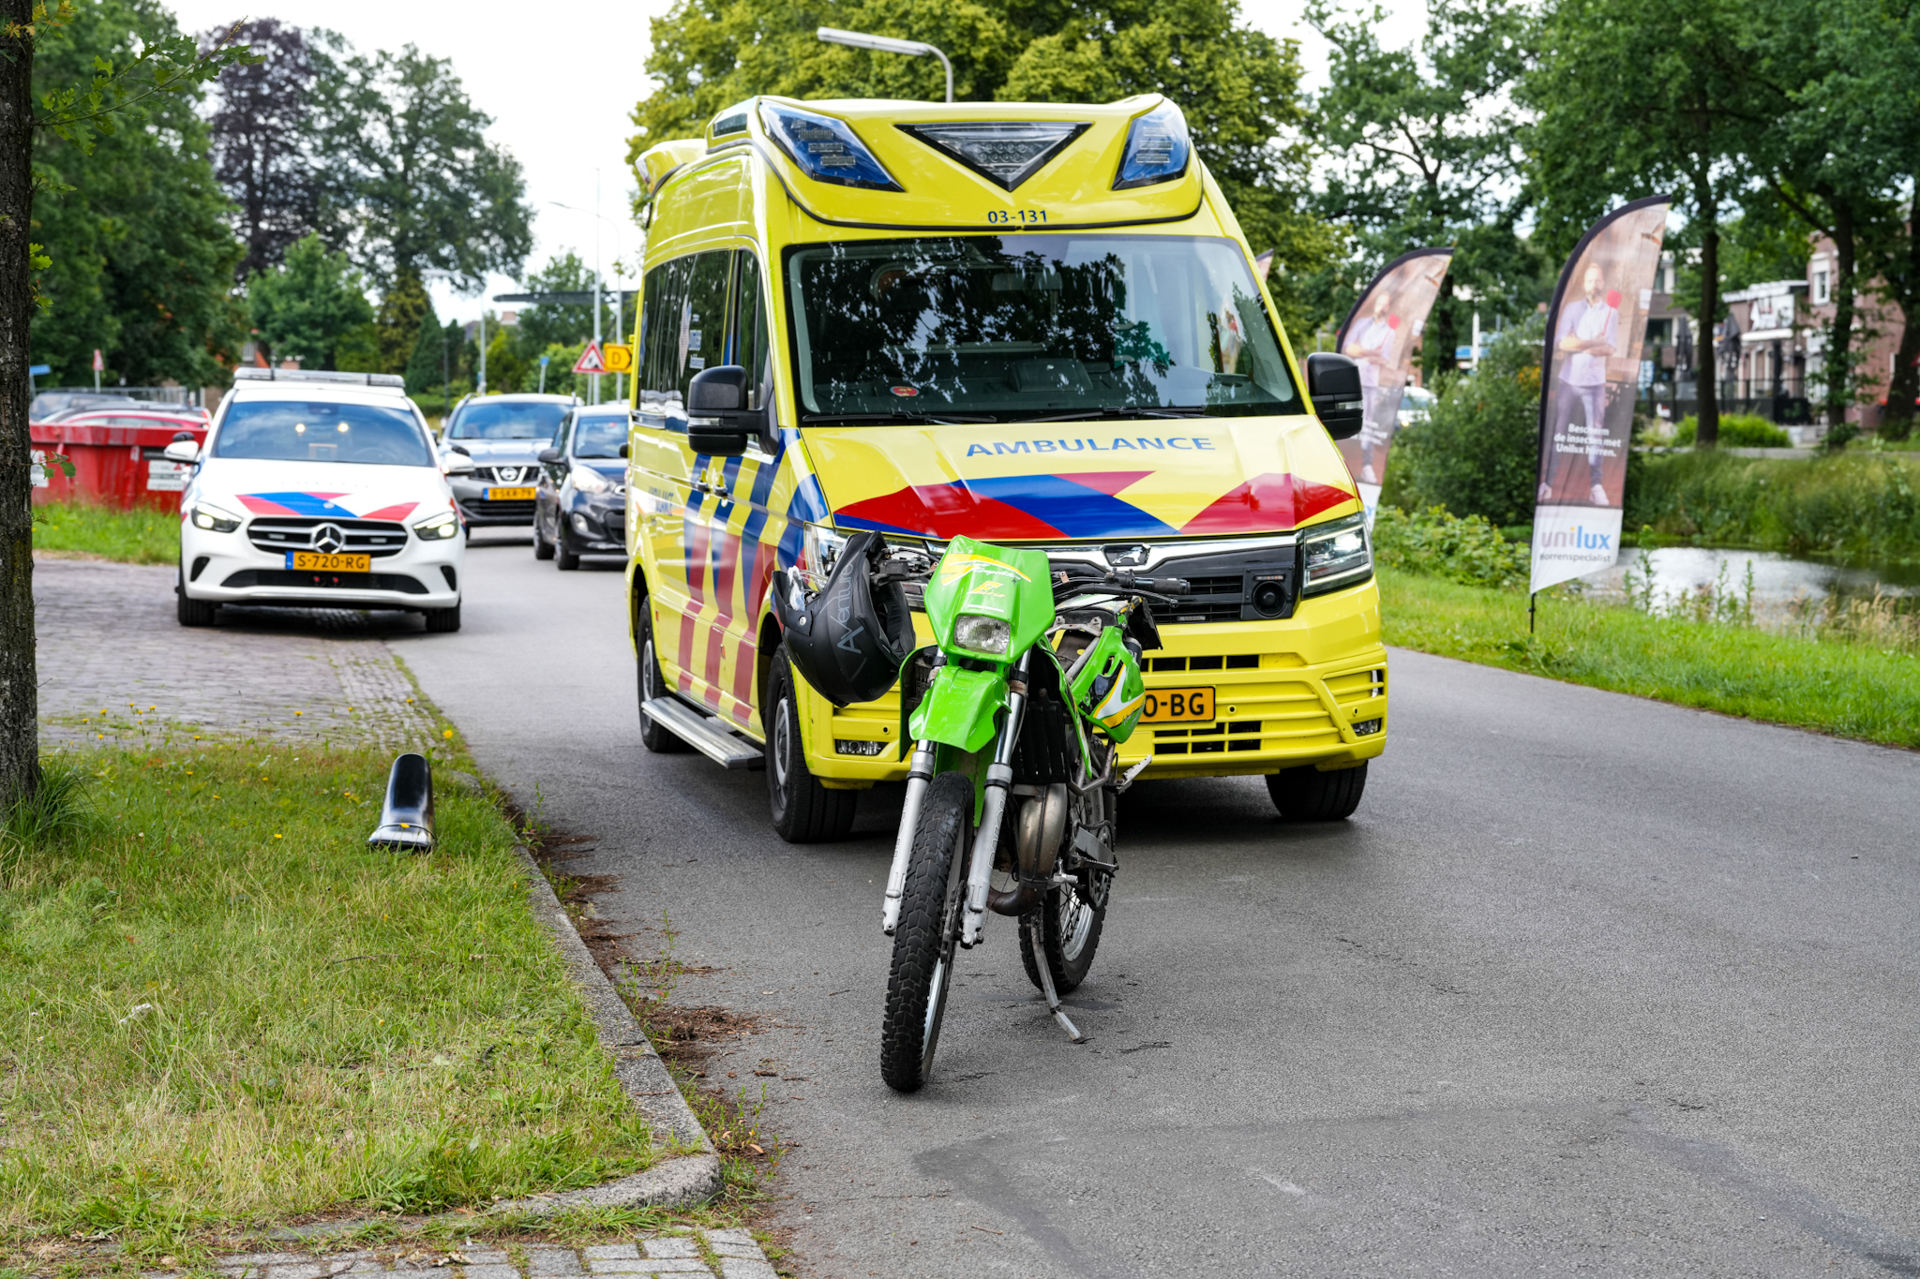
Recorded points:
(504, 435)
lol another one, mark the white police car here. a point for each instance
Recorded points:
(319, 490)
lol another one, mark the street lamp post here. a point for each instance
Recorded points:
(887, 44)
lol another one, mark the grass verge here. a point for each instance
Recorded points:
(220, 1011)
(1846, 689)
(140, 536)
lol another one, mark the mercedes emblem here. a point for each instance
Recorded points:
(330, 539)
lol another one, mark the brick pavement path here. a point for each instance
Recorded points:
(728, 1254)
(109, 642)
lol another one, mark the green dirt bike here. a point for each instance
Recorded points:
(1016, 711)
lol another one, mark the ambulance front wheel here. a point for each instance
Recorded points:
(652, 685)
(804, 811)
(1309, 795)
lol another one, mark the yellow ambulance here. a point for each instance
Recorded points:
(1033, 324)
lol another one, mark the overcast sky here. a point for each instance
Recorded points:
(559, 100)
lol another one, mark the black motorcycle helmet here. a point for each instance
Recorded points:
(849, 639)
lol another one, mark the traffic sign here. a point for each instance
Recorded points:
(590, 360)
(40, 370)
(99, 361)
(619, 357)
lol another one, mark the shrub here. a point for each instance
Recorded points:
(1436, 543)
(1737, 431)
(1478, 452)
(1857, 505)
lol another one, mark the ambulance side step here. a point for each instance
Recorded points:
(708, 734)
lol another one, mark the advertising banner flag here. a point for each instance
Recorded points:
(1379, 334)
(1590, 378)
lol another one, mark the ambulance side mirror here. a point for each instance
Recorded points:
(718, 419)
(1333, 384)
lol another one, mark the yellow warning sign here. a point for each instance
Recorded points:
(618, 357)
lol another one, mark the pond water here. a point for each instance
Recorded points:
(1781, 583)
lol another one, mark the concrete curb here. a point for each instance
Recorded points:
(688, 1179)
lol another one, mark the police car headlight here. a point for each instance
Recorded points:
(210, 517)
(982, 634)
(440, 527)
(588, 480)
(1336, 555)
(820, 548)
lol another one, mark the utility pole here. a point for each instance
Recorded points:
(481, 389)
(596, 279)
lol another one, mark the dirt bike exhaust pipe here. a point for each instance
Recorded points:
(1037, 838)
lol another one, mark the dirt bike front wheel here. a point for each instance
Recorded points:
(929, 930)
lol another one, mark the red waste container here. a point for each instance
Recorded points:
(118, 457)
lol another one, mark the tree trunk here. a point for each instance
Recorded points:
(1707, 433)
(1897, 422)
(19, 684)
(1838, 363)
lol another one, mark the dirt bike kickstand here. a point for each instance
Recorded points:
(1036, 932)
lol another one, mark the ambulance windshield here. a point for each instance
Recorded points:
(1019, 327)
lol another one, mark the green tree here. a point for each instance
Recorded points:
(1866, 101)
(311, 306)
(1424, 146)
(429, 362)
(1834, 176)
(402, 309)
(414, 187)
(1239, 88)
(118, 81)
(1637, 99)
(134, 221)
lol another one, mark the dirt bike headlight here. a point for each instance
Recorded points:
(982, 634)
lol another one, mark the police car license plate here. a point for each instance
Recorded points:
(1177, 706)
(321, 562)
(510, 495)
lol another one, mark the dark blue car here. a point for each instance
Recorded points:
(580, 504)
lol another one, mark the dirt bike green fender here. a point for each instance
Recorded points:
(959, 708)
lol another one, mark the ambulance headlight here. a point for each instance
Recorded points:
(820, 549)
(826, 149)
(1336, 555)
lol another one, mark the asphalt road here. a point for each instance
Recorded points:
(1589, 985)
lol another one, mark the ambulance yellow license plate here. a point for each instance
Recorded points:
(510, 495)
(1178, 706)
(321, 562)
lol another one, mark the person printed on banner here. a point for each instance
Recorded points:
(1588, 333)
(1370, 345)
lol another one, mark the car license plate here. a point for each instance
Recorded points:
(1177, 706)
(321, 562)
(510, 495)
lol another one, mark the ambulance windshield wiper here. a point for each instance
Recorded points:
(1117, 410)
(904, 415)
